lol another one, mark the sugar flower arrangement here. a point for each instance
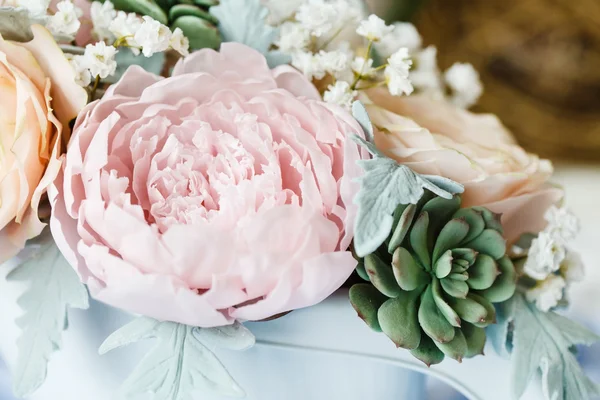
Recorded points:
(202, 165)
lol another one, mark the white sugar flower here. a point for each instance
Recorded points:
(397, 73)
(404, 34)
(179, 42)
(545, 256)
(425, 74)
(362, 67)
(82, 73)
(66, 19)
(317, 16)
(279, 10)
(35, 8)
(335, 62)
(464, 81)
(341, 94)
(152, 36)
(562, 224)
(102, 15)
(99, 58)
(293, 36)
(309, 64)
(572, 268)
(124, 27)
(373, 28)
(548, 293)
(400, 61)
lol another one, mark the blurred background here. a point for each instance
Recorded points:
(539, 61)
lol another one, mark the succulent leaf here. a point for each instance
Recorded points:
(200, 32)
(489, 242)
(456, 348)
(505, 284)
(470, 310)
(408, 273)
(450, 236)
(483, 273)
(180, 10)
(428, 352)
(444, 307)
(443, 265)
(468, 255)
(475, 337)
(362, 272)
(398, 320)
(490, 317)
(143, 7)
(367, 300)
(431, 319)
(492, 220)
(418, 240)
(455, 288)
(381, 275)
(402, 226)
(475, 220)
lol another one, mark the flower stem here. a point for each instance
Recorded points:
(96, 83)
(362, 70)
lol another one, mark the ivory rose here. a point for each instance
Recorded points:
(38, 98)
(434, 137)
(223, 192)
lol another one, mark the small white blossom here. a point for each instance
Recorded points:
(35, 8)
(309, 64)
(124, 27)
(293, 37)
(562, 224)
(279, 10)
(572, 268)
(335, 62)
(397, 73)
(464, 81)
(82, 73)
(66, 19)
(152, 36)
(179, 42)
(425, 74)
(373, 28)
(545, 256)
(102, 15)
(317, 16)
(548, 293)
(404, 34)
(400, 61)
(362, 67)
(340, 94)
(100, 59)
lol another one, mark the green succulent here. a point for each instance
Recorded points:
(191, 16)
(435, 279)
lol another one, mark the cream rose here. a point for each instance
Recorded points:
(38, 98)
(434, 137)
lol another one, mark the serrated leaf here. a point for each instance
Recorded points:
(53, 286)
(15, 24)
(499, 333)
(384, 185)
(543, 341)
(179, 364)
(360, 114)
(244, 21)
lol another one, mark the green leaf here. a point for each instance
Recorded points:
(360, 114)
(244, 21)
(398, 320)
(402, 227)
(444, 307)
(456, 348)
(490, 317)
(15, 24)
(126, 58)
(384, 185)
(469, 255)
(443, 266)
(505, 284)
(475, 337)
(440, 211)
(201, 34)
(143, 7)
(499, 333)
(469, 310)
(366, 300)
(180, 10)
(431, 319)
(407, 271)
(418, 240)
(492, 220)
(381, 275)
(455, 288)
(475, 221)
(428, 352)
(52, 287)
(543, 341)
(179, 364)
(362, 272)
(482, 273)
(489, 242)
(451, 235)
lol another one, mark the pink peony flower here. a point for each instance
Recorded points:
(435, 137)
(221, 193)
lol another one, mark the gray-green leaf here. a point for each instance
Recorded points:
(53, 286)
(180, 363)
(244, 21)
(15, 24)
(359, 112)
(384, 185)
(543, 341)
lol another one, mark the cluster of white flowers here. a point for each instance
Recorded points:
(550, 262)
(463, 81)
(63, 24)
